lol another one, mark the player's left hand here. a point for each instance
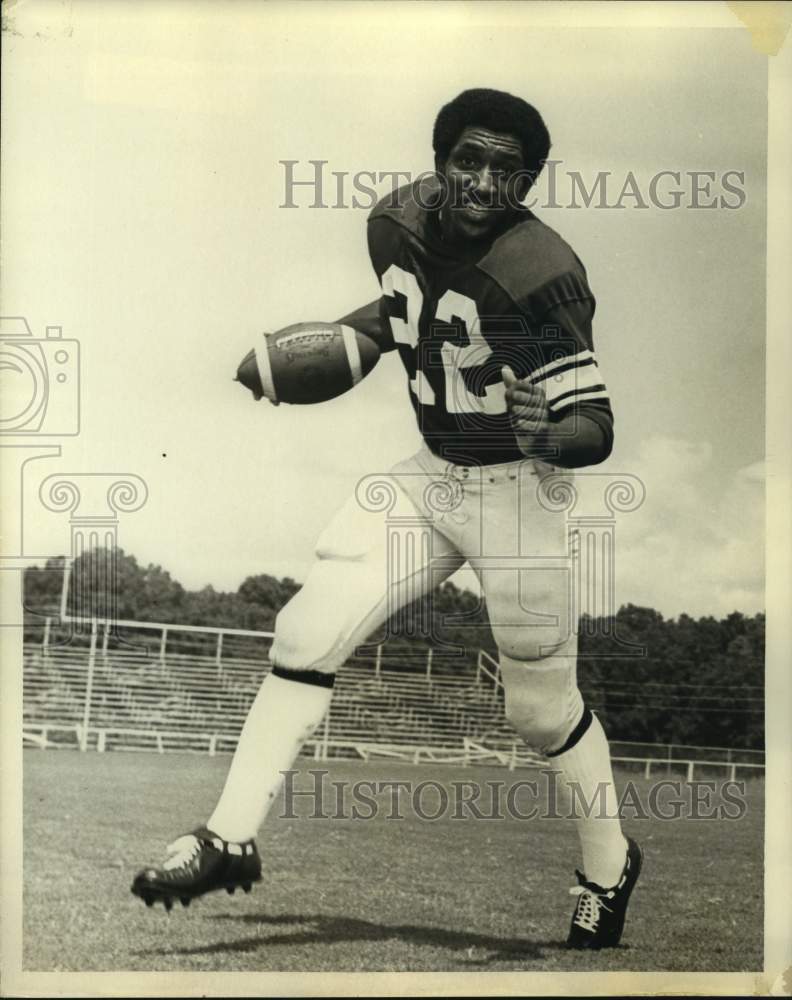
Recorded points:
(528, 411)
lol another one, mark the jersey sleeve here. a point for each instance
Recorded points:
(575, 378)
(382, 239)
(547, 286)
(573, 383)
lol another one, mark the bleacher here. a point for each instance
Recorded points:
(196, 694)
(192, 690)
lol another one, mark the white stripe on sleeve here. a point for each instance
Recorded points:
(572, 380)
(571, 359)
(579, 397)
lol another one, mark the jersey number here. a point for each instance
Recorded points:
(459, 362)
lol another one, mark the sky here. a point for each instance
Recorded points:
(142, 184)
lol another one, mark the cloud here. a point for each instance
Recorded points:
(696, 544)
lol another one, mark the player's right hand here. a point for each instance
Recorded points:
(528, 411)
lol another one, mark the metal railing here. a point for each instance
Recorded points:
(323, 748)
(109, 691)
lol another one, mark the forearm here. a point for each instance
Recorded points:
(575, 441)
(367, 320)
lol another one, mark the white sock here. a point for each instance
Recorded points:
(587, 764)
(284, 714)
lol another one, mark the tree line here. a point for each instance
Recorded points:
(684, 680)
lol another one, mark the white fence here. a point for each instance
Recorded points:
(165, 688)
(222, 645)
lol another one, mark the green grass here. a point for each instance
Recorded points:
(348, 895)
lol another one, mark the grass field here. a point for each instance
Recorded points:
(341, 894)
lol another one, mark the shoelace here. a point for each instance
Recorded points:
(587, 911)
(182, 852)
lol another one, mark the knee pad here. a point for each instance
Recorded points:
(543, 701)
(321, 625)
(532, 645)
(529, 615)
(306, 638)
(345, 590)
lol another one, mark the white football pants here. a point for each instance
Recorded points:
(403, 533)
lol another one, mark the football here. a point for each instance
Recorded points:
(308, 363)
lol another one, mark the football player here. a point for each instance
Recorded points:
(491, 314)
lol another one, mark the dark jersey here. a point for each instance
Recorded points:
(456, 320)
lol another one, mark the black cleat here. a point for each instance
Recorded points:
(199, 862)
(598, 920)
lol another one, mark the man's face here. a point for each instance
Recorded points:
(484, 183)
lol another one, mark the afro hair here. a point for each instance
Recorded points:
(500, 112)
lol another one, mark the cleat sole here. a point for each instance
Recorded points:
(159, 896)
